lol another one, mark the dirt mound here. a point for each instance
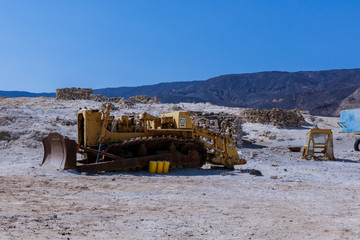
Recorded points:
(277, 117)
(226, 124)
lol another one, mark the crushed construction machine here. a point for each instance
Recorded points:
(319, 144)
(110, 144)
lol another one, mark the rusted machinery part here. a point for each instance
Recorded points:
(185, 152)
(59, 151)
(135, 154)
(132, 154)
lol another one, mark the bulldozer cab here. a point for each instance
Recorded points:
(318, 144)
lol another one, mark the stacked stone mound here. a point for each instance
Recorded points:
(74, 93)
(277, 117)
(225, 124)
(88, 94)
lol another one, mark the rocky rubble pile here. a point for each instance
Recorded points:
(226, 124)
(277, 117)
(88, 94)
(63, 122)
(141, 99)
(74, 93)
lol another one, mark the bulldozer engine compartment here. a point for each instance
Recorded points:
(130, 142)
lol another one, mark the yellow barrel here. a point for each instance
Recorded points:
(166, 166)
(152, 167)
(160, 166)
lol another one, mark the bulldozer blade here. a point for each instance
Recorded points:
(59, 152)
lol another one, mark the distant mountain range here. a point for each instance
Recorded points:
(12, 94)
(320, 92)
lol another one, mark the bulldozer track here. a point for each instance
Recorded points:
(136, 153)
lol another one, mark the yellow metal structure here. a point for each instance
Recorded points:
(319, 144)
(160, 167)
(152, 167)
(96, 127)
(131, 143)
(166, 167)
(221, 147)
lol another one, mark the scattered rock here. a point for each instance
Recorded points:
(274, 177)
(142, 99)
(112, 106)
(176, 108)
(31, 144)
(37, 135)
(294, 149)
(8, 136)
(255, 172)
(63, 122)
(4, 121)
(268, 135)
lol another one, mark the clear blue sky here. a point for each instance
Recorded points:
(51, 44)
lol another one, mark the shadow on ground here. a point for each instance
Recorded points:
(248, 144)
(179, 172)
(345, 160)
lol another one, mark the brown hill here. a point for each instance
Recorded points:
(353, 100)
(320, 92)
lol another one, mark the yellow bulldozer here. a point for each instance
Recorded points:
(110, 144)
